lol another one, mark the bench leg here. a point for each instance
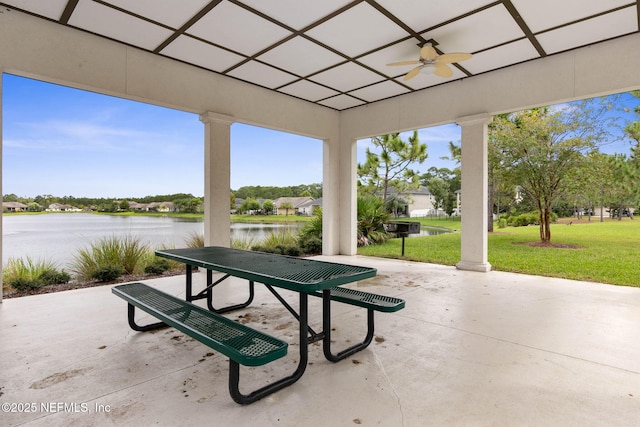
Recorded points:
(209, 291)
(131, 310)
(234, 367)
(326, 326)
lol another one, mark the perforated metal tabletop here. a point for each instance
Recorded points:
(298, 274)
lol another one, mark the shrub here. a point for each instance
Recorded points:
(372, 216)
(242, 243)
(158, 266)
(310, 245)
(529, 218)
(108, 256)
(195, 240)
(107, 273)
(23, 275)
(310, 237)
(291, 250)
(54, 277)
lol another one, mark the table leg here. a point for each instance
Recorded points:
(326, 327)
(234, 367)
(189, 284)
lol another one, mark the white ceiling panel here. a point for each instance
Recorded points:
(263, 75)
(341, 102)
(488, 28)
(421, 15)
(335, 52)
(163, 11)
(542, 15)
(379, 91)
(297, 14)
(499, 57)
(589, 31)
(195, 52)
(301, 57)
(233, 27)
(347, 77)
(358, 30)
(404, 51)
(308, 90)
(51, 9)
(109, 22)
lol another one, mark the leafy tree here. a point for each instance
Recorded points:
(188, 204)
(443, 183)
(124, 206)
(268, 207)
(632, 129)
(390, 168)
(286, 206)
(439, 190)
(541, 147)
(626, 174)
(249, 205)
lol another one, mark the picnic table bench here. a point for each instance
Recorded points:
(305, 276)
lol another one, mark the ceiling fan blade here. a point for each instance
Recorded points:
(428, 52)
(414, 72)
(404, 63)
(442, 70)
(448, 58)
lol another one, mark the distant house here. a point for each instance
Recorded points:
(153, 207)
(59, 207)
(135, 206)
(309, 208)
(161, 207)
(420, 203)
(295, 202)
(13, 207)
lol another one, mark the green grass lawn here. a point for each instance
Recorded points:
(607, 252)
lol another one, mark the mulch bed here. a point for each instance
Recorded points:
(74, 285)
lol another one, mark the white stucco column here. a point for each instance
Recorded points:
(217, 178)
(1, 183)
(348, 197)
(474, 192)
(339, 197)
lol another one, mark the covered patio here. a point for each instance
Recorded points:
(469, 349)
(320, 69)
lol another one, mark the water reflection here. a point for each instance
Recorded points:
(58, 237)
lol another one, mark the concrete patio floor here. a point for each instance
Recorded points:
(479, 349)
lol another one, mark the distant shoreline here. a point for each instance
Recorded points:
(267, 219)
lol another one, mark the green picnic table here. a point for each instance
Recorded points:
(302, 275)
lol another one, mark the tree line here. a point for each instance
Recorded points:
(185, 202)
(546, 160)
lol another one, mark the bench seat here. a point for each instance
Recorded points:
(363, 299)
(238, 342)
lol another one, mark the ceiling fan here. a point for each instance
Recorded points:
(431, 61)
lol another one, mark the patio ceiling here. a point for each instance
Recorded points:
(334, 52)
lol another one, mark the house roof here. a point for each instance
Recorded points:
(310, 203)
(296, 202)
(334, 52)
(14, 205)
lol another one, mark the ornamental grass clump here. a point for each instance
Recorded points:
(109, 258)
(24, 275)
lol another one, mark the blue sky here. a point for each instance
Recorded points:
(63, 141)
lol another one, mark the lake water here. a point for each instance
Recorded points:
(58, 237)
